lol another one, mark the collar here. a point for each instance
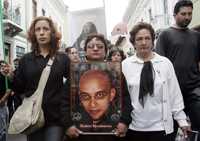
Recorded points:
(40, 56)
(178, 27)
(155, 59)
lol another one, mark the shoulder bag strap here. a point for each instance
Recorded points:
(45, 75)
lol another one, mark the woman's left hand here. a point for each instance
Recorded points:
(121, 129)
(185, 130)
(73, 132)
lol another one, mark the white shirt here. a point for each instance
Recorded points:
(166, 101)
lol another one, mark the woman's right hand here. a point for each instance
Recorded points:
(73, 132)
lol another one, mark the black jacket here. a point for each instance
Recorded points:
(26, 81)
(2, 85)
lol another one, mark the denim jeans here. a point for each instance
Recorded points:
(50, 133)
(3, 122)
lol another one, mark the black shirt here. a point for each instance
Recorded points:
(55, 102)
(182, 47)
(2, 85)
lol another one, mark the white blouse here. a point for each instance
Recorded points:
(166, 101)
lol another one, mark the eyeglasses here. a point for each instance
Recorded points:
(98, 46)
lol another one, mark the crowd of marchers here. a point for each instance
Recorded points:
(161, 82)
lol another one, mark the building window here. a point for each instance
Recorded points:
(34, 8)
(6, 9)
(7, 52)
(166, 12)
(20, 51)
(43, 12)
(150, 15)
(17, 15)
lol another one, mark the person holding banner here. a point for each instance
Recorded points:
(96, 49)
(154, 90)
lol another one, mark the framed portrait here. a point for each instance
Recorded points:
(95, 96)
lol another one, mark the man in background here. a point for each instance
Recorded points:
(182, 46)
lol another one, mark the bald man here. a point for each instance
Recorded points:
(96, 93)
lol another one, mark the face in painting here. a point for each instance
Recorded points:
(96, 93)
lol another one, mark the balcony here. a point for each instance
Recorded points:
(11, 18)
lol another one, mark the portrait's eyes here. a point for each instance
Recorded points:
(84, 97)
(100, 95)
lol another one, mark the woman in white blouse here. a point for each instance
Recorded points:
(154, 90)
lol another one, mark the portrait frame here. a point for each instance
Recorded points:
(80, 116)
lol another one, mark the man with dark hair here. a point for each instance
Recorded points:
(182, 3)
(182, 46)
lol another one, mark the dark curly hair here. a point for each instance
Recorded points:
(55, 36)
(113, 50)
(182, 3)
(99, 37)
(138, 27)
